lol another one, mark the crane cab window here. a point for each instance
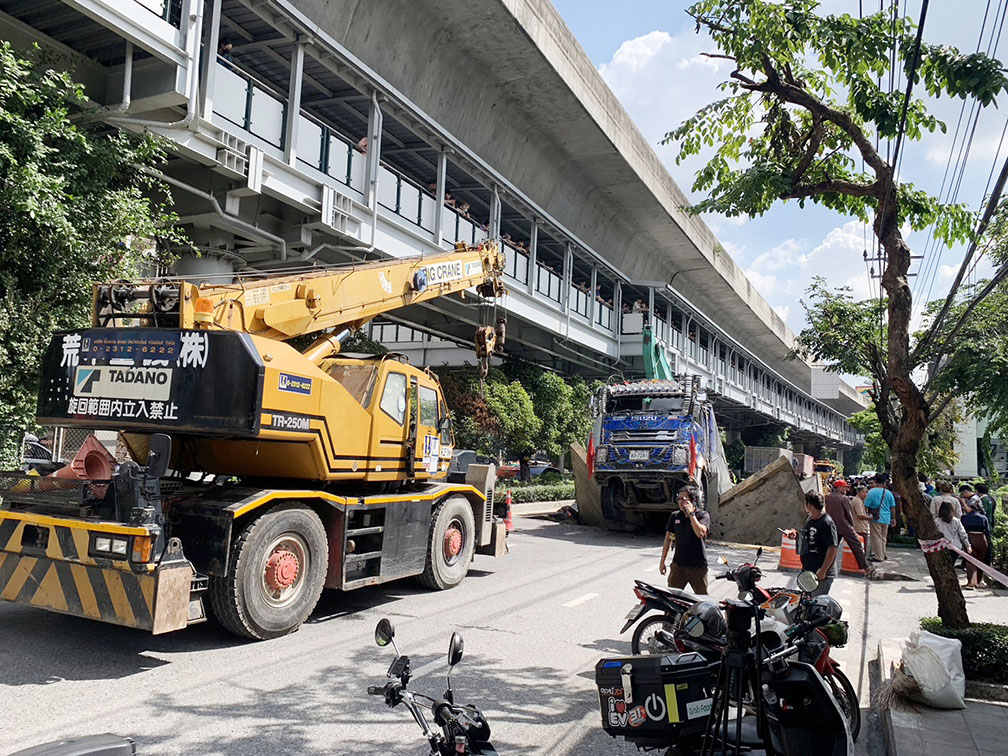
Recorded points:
(428, 407)
(359, 380)
(393, 401)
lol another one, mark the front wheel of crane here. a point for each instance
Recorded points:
(278, 567)
(451, 544)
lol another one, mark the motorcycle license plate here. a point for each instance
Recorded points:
(639, 455)
(634, 613)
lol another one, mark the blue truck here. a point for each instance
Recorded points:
(651, 437)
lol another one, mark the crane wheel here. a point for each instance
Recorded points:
(277, 569)
(451, 544)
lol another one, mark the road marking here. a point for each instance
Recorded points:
(580, 600)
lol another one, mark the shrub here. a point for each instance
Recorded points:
(984, 648)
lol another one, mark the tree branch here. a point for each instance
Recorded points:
(834, 186)
(718, 56)
(974, 303)
(814, 141)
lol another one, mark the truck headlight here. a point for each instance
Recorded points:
(119, 546)
(103, 544)
(602, 454)
(679, 455)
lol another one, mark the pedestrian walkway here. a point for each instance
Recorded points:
(981, 729)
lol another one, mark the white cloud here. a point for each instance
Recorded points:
(635, 54)
(785, 256)
(784, 311)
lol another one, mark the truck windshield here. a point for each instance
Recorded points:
(357, 379)
(645, 404)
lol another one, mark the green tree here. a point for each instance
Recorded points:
(876, 453)
(803, 108)
(75, 207)
(513, 407)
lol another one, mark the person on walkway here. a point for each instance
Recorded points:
(861, 517)
(968, 497)
(945, 494)
(879, 501)
(838, 507)
(818, 545)
(688, 525)
(978, 531)
(952, 530)
(989, 505)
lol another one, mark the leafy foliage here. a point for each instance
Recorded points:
(847, 335)
(984, 648)
(876, 453)
(521, 409)
(802, 103)
(974, 363)
(74, 208)
(534, 492)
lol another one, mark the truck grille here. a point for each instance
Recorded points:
(647, 436)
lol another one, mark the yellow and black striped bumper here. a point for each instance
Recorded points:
(64, 577)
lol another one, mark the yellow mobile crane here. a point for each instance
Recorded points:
(291, 471)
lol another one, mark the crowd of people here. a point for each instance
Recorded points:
(858, 510)
(872, 508)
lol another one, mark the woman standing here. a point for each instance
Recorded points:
(978, 530)
(951, 528)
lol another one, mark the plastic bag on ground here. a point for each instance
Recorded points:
(935, 664)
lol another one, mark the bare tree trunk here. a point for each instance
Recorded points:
(913, 423)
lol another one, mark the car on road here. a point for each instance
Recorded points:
(461, 459)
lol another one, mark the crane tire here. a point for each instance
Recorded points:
(285, 545)
(448, 559)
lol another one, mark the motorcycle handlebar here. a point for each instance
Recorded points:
(374, 690)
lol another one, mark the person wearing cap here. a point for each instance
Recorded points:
(838, 507)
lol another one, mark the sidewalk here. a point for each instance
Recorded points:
(981, 729)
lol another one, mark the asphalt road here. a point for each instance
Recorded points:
(534, 622)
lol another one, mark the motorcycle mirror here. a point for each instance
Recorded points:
(384, 632)
(455, 650)
(808, 582)
(759, 553)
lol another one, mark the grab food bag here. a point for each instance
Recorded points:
(935, 663)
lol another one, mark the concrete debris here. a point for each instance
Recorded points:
(753, 510)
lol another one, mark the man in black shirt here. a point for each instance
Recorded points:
(689, 525)
(818, 545)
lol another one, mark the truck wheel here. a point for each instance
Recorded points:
(451, 544)
(278, 566)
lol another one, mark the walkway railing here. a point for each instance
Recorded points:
(168, 10)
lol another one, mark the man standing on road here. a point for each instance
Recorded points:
(861, 516)
(838, 507)
(688, 524)
(881, 502)
(819, 544)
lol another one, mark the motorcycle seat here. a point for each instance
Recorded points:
(678, 594)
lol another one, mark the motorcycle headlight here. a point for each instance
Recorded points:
(602, 454)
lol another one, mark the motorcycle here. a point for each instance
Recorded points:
(780, 702)
(814, 629)
(464, 729)
(671, 603)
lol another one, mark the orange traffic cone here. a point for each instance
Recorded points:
(508, 520)
(789, 559)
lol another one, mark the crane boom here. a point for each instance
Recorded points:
(282, 307)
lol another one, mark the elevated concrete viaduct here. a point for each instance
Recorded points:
(338, 129)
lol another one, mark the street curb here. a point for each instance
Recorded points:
(987, 692)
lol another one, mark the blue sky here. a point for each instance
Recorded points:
(649, 54)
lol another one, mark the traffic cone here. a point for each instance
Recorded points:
(508, 520)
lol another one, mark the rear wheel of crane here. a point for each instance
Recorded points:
(451, 544)
(278, 567)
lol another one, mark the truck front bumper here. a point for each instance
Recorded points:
(50, 563)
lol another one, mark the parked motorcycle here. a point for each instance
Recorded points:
(464, 729)
(686, 702)
(662, 608)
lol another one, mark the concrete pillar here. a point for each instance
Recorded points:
(294, 103)
(442, 170)
(567, 277)
(618, 318)
(533, 256)
(495, 214)
(373, 151)
(195, 268)
(210, 60)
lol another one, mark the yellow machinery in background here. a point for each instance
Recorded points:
(291, 470)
